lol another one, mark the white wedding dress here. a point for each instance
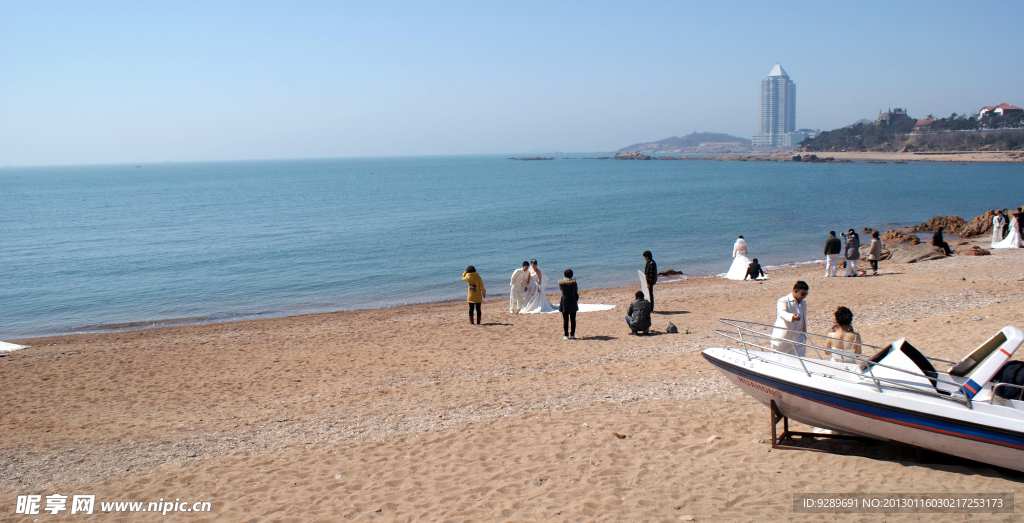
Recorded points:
(536, 302)
(740, 262)
(1012, 240)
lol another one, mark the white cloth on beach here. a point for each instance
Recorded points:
(1012, 240)
(740, 262)
(536, 302)
(517, 292)
(997, 228)
(10, 347)
(787, 330)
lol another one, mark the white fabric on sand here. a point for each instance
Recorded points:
(10, 347)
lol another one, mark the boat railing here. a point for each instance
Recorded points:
(746, 335)
(1020, 388)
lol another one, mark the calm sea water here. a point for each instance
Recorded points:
(101, 247)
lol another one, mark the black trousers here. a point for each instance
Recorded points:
(477, 307)
(874, 265)
(944, 246)
(650, 294)
(569, 319)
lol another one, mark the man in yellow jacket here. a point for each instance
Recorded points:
(475, 292)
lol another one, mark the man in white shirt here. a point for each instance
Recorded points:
(517, 297)
(791, 323)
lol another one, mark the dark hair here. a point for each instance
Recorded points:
(844, 316)
(639, 294)
(755, 260)
(647, 254)
(801, 285)
(568, 273)
(874, 234)
(470, 269)
(533, 262)
(831, 233)
(526, 264)
(741, 236)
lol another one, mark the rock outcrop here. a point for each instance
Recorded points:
(978, 226)
(670, 272)
(865, 249)
(898, 236)
(917, 253)
(951, 224)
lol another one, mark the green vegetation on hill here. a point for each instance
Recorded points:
(690, 140)
(896, 135)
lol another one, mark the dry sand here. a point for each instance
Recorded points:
(971, 156)
(413, 414)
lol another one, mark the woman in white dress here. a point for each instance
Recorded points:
(1012, 240)
(535, 299)
(740, 262)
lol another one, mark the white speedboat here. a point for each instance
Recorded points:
(895, 395)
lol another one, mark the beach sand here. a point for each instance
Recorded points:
(972, 156)
(413, 414)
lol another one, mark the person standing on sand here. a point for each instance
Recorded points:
(852, 252)
(475, 292)
(651, 275)
(791, 321)
(569, 304)
(998, 221)
(832, 250)
(875, 252)
(517, 296)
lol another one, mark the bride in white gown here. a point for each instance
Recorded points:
(738, 270)
(1012, 240)
(535, 299)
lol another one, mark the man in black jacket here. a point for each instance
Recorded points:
(651, 275)
(832, 249)
(569, 304)
(639, 312)
(939, 242)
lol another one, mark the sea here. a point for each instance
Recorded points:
(107, 247)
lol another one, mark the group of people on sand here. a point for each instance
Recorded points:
(790, 330)
(850, 253)
(1006, 234)
(526, 296)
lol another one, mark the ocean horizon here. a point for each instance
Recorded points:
(108, 247)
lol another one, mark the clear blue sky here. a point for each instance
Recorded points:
(98, 82)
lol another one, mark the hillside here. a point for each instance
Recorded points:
(676, 143)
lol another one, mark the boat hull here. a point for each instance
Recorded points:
(802, 401)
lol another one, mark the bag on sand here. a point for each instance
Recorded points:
(672, 329)
(1012, 372)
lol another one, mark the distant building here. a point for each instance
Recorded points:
(778, 110)
(923, 126)
(890, 116)
(793, 139)
(1001, 110)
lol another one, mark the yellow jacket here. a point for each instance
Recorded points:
(475, 291)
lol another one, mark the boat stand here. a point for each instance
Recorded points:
(787, 434)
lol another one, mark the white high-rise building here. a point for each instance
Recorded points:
(778, 110)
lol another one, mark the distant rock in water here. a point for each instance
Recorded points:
(527, 158)
(631, 156)
(670, 272)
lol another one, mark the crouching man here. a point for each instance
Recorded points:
(639, 311)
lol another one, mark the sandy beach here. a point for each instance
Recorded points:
(413, 414)
(967, 156)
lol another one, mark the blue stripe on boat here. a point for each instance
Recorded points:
(889, 414)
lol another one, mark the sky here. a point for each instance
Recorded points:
(124, 82)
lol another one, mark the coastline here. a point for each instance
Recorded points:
(951, 156)
(412, 413)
